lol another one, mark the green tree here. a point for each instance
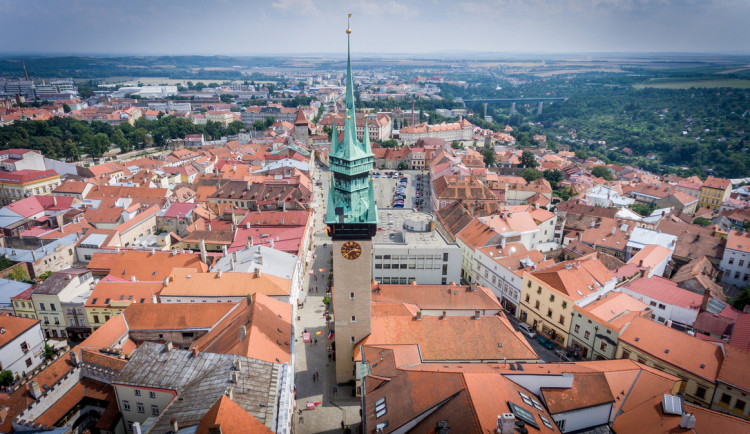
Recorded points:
(235, 127)
(66, 108)
(118, 138)
(49, 352)
(18, 274)
(644, 210)
(44, 276)
(602, 172)
(700, 221)
(457, 145)
(530, 174)
(489, 156)
(6, 378)
(528, 160)
(742, 299)
(270, 121)
(553, 176)
(259, 126)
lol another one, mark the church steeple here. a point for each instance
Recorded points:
(351, 199)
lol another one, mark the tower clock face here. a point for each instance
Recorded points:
(351, 250)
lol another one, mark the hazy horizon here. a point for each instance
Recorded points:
(310, 28)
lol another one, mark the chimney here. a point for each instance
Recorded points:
(243, 333)
(476, 314)
(218, 274)
(249, 243)
(74, 358)
(237, 364)
(473, 287)
(249, 298)
(231, 264)
(257, 272)
(153, 252)
(204, 255)
(54, 200)
(174, 252)
(234, 255)
(419, 315)
(506, 423)
(223, 250)
(166, 281)
(640, 262)
(247, 225)
(209, 227)
(706, 298)
(35, 390)
(117, 250)
(169, 346)
(687, 421)
(614, 229)
(233, 377)
(132, 278)
(33, 254)
(175, 426)
(230, 392)
(154, 299)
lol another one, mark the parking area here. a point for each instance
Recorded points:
(391, 192)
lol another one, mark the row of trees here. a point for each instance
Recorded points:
(69, 138)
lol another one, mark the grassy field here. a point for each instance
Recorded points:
(690, 83)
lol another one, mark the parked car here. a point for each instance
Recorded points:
(546, 343)
(398, 205)
(527, 330)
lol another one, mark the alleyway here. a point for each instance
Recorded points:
(311, 357)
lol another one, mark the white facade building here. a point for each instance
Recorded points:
(408, 248)
(735, 264)
(21, 344)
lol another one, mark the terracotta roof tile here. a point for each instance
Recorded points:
(674, 347)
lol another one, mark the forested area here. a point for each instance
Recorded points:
(68, 138)
(705, 130)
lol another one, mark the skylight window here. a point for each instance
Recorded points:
(545, 421)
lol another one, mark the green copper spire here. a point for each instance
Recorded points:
(351, 197)
(334, 133)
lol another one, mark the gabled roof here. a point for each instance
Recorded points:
(267, 327)
(454, 218)
(186, 282)
(145, 266)
(666, 291)
(576, 278)
(176, 316)
(455, 338)
(437, 297)
(14, 326)
(674, 347)
(231, 418)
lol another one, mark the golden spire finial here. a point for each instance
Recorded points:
(348, 30)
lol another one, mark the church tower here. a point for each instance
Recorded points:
(352, 221)
(301, 127)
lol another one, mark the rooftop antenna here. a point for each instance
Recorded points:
(26, 74)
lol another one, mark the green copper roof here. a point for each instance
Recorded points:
(351, 198)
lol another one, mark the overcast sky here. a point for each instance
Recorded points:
(250, 27)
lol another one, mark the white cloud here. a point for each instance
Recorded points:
(302, 7)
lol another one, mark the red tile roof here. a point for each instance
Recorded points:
(665, 290)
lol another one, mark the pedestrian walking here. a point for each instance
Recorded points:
(317, 375)
(314, 377)
(315, 341)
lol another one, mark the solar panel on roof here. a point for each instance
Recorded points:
(715, 306)
(671, 404)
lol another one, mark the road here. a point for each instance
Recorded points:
(544, 353)
(334, 408)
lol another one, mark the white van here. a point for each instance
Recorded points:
(527, 330)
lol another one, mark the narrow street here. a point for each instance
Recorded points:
(335, 406)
